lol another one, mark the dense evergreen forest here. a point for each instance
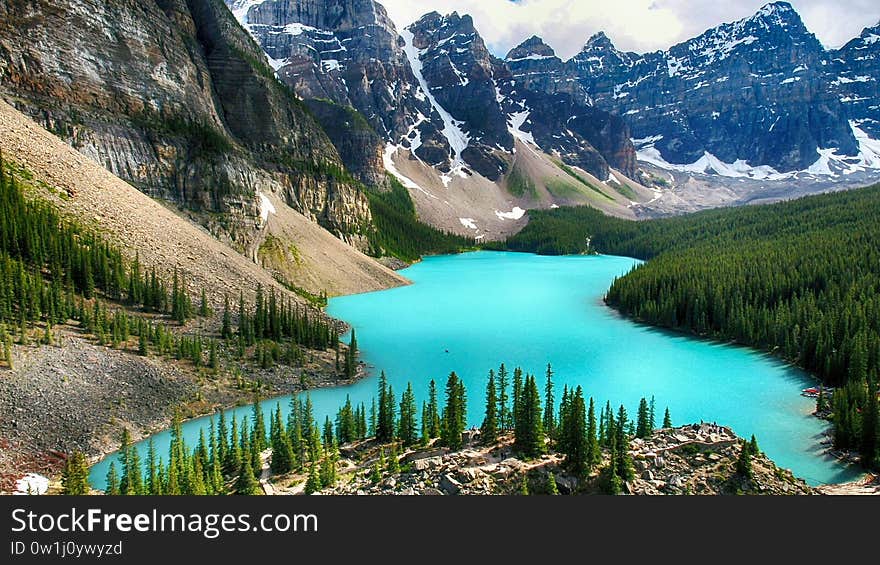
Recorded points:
(54, 271)
(799, 279)
(399, 233)
(227, 460)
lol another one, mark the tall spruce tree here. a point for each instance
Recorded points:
(594, 453)
(454, 413)
(75, 475)
(489, 429)
(385, 420)
(624, 462)
(577, 454)
(406, 429)
(433, 411)
(528, 428)
(643, 420)
(549, 403)
(503, 409)
(667, 419)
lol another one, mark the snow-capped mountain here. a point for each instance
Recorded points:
(432, 88)
(752, 93)
(757, 98)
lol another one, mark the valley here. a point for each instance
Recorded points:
(313, 208)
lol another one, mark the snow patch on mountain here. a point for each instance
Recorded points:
(469, 223)
(388, 161)
(514, 214)
(266, 208)
(457, 138)
(829, 164)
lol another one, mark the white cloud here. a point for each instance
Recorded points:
(633, 25)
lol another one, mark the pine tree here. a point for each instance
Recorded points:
(868, 448)
(643, 419)
(143, 348)
(577, 454)
(258, 438)
(489, 429)
(517, 393)
(624, 459)
(313, 483)
(75, 475)
(549, 403)
(406, 429)
(528, 428)
(454, 413)
(433, 411)
(503, 410)
(594, 453)
(153, 486)
(667, 419)
(226, 328)
(213, 362)
(393, 465)
(652, 416)
(351, 356)
(282, 451)
(753, 446)
(112, 480)
(246, 484)
(744, 462)
(204, 309)
(385, 423)
(131, 482)
(425, 436)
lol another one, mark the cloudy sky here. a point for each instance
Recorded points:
(633, 25)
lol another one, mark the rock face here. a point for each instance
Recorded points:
(754, 90)
(347, 52)
(855, 71)
(175, 98)
(451, 59)
(434, 88)
(553, 108)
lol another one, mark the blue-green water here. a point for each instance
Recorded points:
(468, 313)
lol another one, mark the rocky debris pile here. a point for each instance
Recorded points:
(693, 459)
(701, 459)
(77, 396)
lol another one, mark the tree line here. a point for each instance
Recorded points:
(229, 458)
(53, 271)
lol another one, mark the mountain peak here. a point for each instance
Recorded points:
(533, 47)
(598, 41)
(777, 13)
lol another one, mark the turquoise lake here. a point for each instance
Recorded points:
(469, 313)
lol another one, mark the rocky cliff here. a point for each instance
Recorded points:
(753, 92)
(554, 109)
(432, 88)
(855, 71)
(175, 98)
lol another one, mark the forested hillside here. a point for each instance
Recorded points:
(399, 232)
(799, 279)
